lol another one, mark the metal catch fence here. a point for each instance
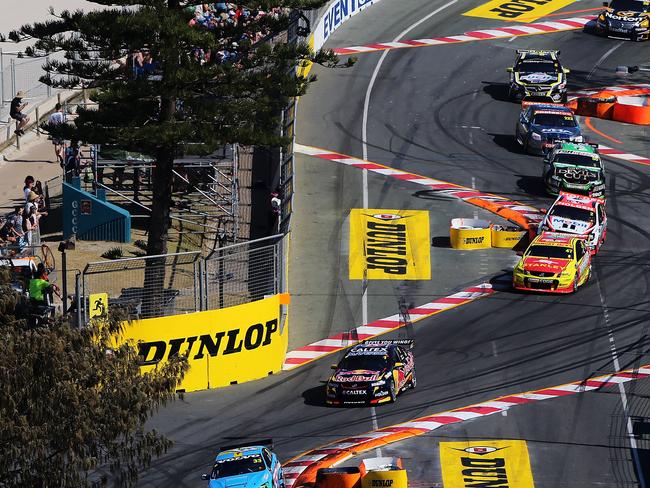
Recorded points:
(172, 284)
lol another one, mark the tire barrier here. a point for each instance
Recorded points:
(470, 234)
(508, 237)
(628, 104)
(383, 472)
(302, 470)
(347, 477)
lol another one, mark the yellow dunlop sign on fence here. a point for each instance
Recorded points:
(498, 464)
(389, 244)
(223, 347)
(517, 10)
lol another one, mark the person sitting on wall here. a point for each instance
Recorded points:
(16, 113)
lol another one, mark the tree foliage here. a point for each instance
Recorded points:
(184, 105)
(73, 405)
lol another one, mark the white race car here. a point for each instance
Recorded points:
(579, 215)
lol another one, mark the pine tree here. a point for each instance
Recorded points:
(73, 405)
(179, 105)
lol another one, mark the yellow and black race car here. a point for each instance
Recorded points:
(538, 74)
(627, 19)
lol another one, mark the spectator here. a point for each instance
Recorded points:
(8, 235)
(40, 288)
(72, 161)
(30, 222)
(17, 216)
(58, 118)
(16, 113)
(29, 186)
(35, 201)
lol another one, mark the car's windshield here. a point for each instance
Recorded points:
(367, 362)
(536, 67)
(542, 251)
(573, 213)
(237, 466)
(633, 5)
(578, 160)
(554, 120)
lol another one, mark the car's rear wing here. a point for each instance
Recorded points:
(262, 442)
(539, 51)
(541, 101)
(407, 343)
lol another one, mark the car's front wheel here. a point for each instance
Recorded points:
(393, 392)
(413, 382)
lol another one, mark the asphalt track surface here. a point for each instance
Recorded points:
(441, 112)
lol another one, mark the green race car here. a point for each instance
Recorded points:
(574, 168)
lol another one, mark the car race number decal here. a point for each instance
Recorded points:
(389, 244)
(497, 464)
(517, 10)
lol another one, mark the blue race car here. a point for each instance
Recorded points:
(246, 466)
(540, 125)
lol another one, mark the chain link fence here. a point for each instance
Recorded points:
(172, 284)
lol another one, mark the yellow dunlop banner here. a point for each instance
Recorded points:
(497, 464)
(226, 346)
(389, 244)
(517, 10)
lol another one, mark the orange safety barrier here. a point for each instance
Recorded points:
(308, 476)
(504, 212)
(338, 478)
(614, 108)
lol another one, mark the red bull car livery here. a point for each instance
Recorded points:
(372, 372)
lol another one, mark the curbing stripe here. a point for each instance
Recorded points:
(523, 215)
(343, 340)
(558, 25)
(343, 449)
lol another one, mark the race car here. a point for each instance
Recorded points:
(246, 466)
(539, 126)
(372, 372)
(554, 262)
(574, 168)
(627, 19)
(579, 215)
(538, 73)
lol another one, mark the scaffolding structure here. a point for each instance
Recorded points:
(205, 211)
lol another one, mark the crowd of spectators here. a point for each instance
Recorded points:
(220, 15)
(17, 229)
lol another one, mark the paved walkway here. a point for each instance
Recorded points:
(36, 158)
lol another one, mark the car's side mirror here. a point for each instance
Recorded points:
(519, 253)
(566, 70)
(605, 4)
(205, 477)
(543, 210)
(334, 366)
(509, 70)
(399, 365)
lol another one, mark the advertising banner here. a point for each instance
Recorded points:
(389, 244)
(336, 13)
(224, 347)
(494, 463)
